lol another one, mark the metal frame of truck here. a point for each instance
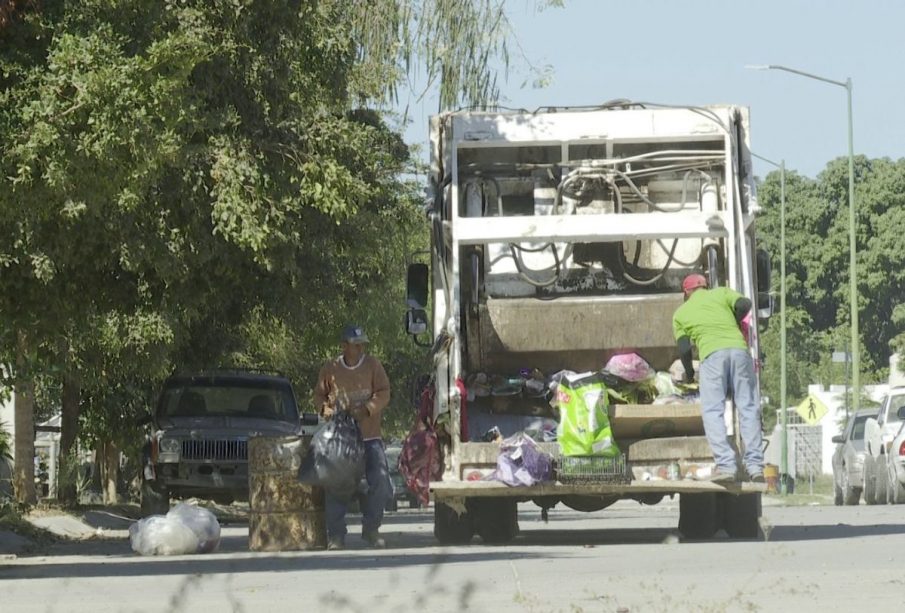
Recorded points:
(471, 154)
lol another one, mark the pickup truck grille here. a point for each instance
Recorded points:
(215, 450)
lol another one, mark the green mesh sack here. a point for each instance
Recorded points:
(584, 428)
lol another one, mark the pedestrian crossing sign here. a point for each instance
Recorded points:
(811, 409)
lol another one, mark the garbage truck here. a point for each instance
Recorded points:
(559, 239)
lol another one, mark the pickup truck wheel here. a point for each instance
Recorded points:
(882, 481)
(741, 515)
(698, 515)
(495, 519)
(850, 495)
(155, 499)
(450, 528)
(896, 493)
(870, 482)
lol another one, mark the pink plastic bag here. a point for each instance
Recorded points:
(745, 327)
(629, 366)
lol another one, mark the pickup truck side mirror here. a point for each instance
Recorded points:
(309, 419)
(838, 439)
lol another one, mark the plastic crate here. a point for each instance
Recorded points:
(592, 469)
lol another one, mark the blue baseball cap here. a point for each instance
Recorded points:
(354, 334)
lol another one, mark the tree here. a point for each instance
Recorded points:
(180, 172)
(817, 283)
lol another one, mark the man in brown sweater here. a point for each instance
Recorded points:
(357, 383)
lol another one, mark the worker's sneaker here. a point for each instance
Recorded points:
(758, 478)
(373, 539)
(335, 543)
(722, 477)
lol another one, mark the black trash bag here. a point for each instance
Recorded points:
(336, 458)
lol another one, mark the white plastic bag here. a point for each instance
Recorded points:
(161, 535)
(201, 522)
(185, 529)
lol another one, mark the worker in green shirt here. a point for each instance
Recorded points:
(709, 319)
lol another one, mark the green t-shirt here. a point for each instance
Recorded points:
(708, 319)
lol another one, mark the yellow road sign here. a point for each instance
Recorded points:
(811, 409)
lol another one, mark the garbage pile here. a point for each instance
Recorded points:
(184, 529)
(579, 403)
(628, 378)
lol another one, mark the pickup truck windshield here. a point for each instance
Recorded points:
(258, 400)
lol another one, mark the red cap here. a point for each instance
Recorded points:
(692, 282)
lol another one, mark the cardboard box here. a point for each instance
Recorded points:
(632, 421)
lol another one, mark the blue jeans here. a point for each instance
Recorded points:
(729, 373)
(379, 490)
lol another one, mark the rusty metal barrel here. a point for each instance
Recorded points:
(283, 513)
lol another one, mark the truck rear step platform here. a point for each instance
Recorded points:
(467, 489)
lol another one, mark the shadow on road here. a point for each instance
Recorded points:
(822, 532)
(133, 566)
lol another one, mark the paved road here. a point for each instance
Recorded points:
(626, 558)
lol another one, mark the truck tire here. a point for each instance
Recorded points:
(698, 515)
(155, 499)
(450, 528)
(850, 494)
(495, 519)
(741, 515)
(870, 482)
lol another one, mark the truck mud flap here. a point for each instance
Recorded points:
(495, 519)
(702, 515)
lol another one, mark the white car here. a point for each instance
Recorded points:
(895, 465)
(848, 459)
(878, 440)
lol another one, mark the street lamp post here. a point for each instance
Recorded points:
(784, 456)
(852, 246)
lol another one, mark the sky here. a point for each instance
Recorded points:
(695, 52)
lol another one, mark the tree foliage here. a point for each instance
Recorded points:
(817, 271)
(190, 183)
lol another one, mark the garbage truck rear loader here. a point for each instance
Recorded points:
(560, 238)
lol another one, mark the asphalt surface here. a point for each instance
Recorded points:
(625, 558)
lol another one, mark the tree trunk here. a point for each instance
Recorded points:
(110, 473)
(67, 490)
(97, 473)
(24, 410)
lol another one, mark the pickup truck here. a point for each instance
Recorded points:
(197, 445)
(879, 460)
